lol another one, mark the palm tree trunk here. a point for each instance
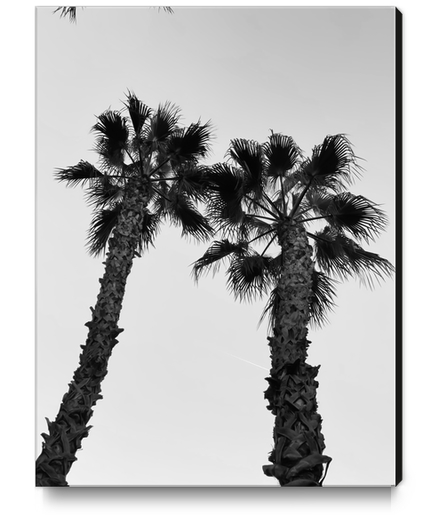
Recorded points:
(70, 426)
(298, 442)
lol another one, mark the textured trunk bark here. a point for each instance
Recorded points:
(70, 426)
(298, 442)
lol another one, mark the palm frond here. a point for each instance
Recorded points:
(254, 228)
(104, 192)
(318, 199)
(357, 215)
(215, 254)
(163, 123)
(293, 179)
(321, 301)
(226, 193)
(191, 180)
(230, 228)
(322, 298)
(248, 155)
(160, 166)
(111, 137)
(282, 154)
(160, 199)
(278, 200)
(182, 212)
(101, 227)
(189, 143)
(81, 173)
(248, 276)
(139, 112)
(275, 266)
(271, 308)
(149, 230)
(333, 163)
(133, 169)
(338, 255)
(67, 11)
(168, 10)
(243, 227)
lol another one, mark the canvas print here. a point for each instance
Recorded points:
(216, 246)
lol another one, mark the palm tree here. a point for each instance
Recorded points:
(148, 172)
(268, 196)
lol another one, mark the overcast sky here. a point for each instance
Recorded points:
(183, 400)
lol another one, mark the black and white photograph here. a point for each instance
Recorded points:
(216, 246)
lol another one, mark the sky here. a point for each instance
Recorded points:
(183, 400)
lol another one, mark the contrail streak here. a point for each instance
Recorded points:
(245, 360)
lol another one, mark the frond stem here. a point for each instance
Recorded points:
(262, 207)
(130, 157)
(164, 179)
(133, 162)
(149, 158)
(263, 234)
(263, 217)
(140, 157)
(114, 176)
(272, 204)
(270, 242)
(282, 195)
(160, 166)
(314, 237)
(317, 218)
(304, 211)
(299, 200)
(161, 194)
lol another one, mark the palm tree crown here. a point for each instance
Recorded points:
(263, 187)
(147, 146)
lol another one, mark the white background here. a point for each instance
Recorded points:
(19, 375)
